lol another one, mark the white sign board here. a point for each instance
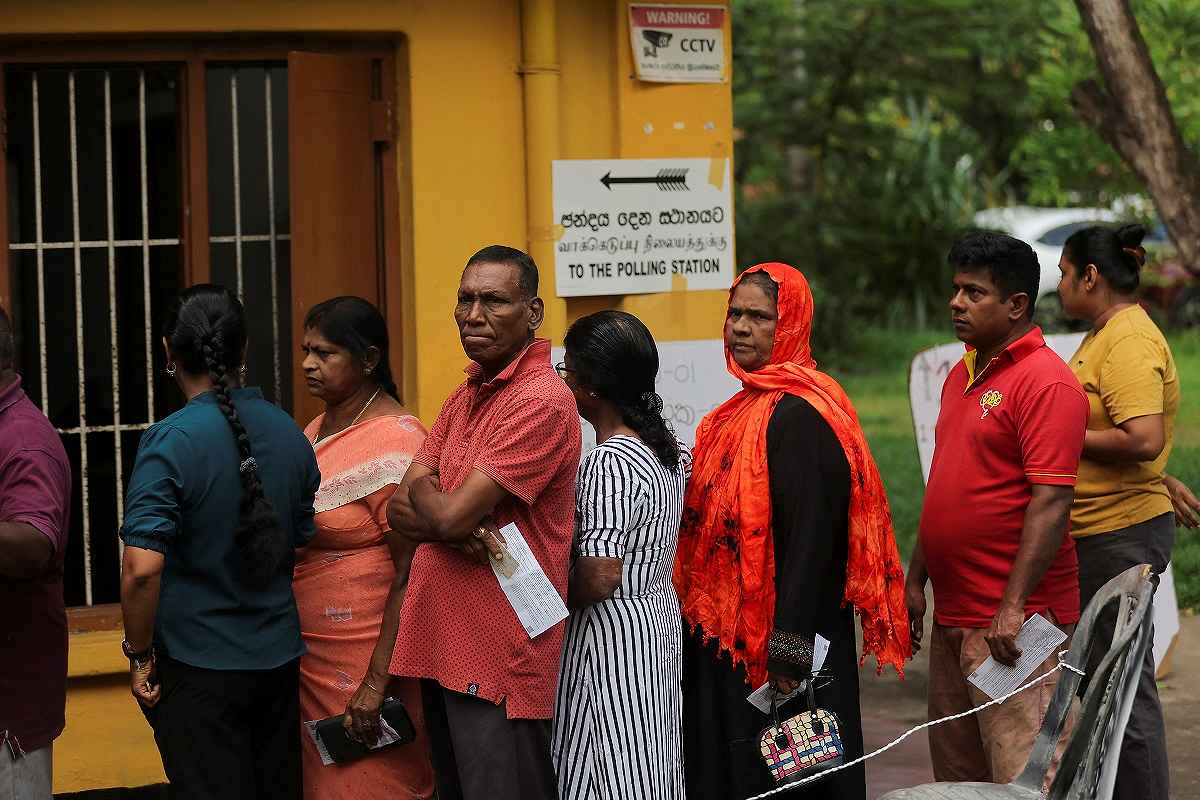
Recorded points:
(692, 380)
(635, 226)
(925, 378)
(678, 44)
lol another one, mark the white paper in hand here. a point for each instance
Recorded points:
(760, 698)
(1037, 640)
(531, 594)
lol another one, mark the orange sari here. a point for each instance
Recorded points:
(341, 585)
(725, 567)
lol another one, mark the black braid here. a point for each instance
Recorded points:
(206, 331)
(644, 415)
(259, 536)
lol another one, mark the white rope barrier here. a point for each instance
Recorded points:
(826, 773)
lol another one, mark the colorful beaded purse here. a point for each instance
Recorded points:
(803, 745)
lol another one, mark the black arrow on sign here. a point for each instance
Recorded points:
(668, 180)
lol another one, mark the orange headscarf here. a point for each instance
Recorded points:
(729, 591)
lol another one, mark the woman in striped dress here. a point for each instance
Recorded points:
(617, 718)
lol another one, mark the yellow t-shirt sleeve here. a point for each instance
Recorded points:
(1131, 379)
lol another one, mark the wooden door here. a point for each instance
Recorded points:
(335, 205)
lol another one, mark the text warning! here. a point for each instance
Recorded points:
(678, 44)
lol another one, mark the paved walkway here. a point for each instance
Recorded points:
(891, 706)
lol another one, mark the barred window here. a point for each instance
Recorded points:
(115, 174)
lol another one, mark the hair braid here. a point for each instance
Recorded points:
(644, 415)
(259, 536)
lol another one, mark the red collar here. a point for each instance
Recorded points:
(1029, 343)
(535, 353)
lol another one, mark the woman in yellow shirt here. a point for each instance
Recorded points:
(1122, 515)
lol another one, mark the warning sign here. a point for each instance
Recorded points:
(640, 225)
(678, 44)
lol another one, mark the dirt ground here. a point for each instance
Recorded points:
(890, 707)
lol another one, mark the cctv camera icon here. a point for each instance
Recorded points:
(656, 39)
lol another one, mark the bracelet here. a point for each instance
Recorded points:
(790, 648)
(367, 684)
(136, 655)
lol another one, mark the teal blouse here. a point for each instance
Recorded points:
(183, 502)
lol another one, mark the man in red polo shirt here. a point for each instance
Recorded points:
(505, 448)
(994, 529)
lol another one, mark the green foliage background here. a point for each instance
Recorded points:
(870, 132)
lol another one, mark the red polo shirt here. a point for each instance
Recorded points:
(1018, 421)
(521, 429)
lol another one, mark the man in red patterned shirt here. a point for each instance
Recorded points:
(505, 448)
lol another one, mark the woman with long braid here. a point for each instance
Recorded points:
(615, 736)
(221, 494)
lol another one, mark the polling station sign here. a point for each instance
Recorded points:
(642, 225)
(678, 44)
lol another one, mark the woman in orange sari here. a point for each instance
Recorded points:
(349, 581)
(786, 533)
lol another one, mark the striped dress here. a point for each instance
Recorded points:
(617, 716)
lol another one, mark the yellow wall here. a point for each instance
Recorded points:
(462, 184)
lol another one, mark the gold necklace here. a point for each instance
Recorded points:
(354, 421)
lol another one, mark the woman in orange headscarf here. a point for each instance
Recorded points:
(786, 532)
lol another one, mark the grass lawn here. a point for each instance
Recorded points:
(877, 381)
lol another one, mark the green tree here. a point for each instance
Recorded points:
(868, 134)
(1064, 159)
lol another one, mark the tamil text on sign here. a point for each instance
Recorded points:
(634, 226)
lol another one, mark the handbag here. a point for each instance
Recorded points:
(804, 745)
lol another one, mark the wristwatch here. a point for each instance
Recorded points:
(139, 658)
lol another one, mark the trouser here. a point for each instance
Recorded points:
(994, 744)
(480, 754)
(28, 777)
(228, 734)
(1142, 771)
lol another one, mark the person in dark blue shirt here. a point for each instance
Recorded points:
(220, 495)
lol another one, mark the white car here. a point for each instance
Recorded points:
(1046, 230)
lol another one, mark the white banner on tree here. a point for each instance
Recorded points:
(635, 226)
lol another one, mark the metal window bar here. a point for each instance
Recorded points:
(237, 188)
(93, 245)
(78, 270)
(145, 245)
(111, 244)
(271, 217)
(114, 352)
(78, 287)
(239, 238)
(41, 265)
